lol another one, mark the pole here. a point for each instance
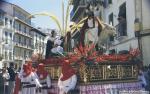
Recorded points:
(63, 14)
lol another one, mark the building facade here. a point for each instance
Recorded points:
(15, 35)
(6, 37)
(23, 36)
(124, 15)
(143, 14)
(39, 42)
(121, 13)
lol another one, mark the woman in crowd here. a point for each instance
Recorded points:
(6, 77)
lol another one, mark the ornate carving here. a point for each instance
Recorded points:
(99, 72)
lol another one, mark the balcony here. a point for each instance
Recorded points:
(79, 7)
(121, 31)
(24, 22)
(21, 45)
(18, 58)
(23, 34)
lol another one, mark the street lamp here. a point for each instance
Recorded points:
(137, 29)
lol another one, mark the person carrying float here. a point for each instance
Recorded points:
(68, 79)
(29, 80)
(44, 79)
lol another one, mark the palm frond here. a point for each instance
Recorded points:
(52, 16)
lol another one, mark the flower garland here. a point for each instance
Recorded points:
(88, 54)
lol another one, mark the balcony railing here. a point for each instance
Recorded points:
(23, 46)
(120, 33)
(23, 33)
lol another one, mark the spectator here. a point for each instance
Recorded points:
(1, 82)
(141, 78)
(12, 75)
(147, 77)
(6, 77)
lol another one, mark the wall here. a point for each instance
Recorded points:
(146, 49)
(7, 7)
(145, 14)
(130, 39)
(126, 45)
(145, 40)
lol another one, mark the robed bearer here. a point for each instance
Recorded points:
(68, 79)
(29, 80)
(44, 79)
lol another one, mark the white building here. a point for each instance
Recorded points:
(39, 42)
(23, 37)
(6, 37)
(132, 10)
(16, 37)
(125, 29)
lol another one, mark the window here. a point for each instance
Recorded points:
(24, 29)
(6, 21)
(24, 41)
(106, 3)
(122, 26)
(10, 56)
(1, 20)
(110, 1)
(111, 22)
(29, 42)
(27, 30)
(111, 38)
(19, 27)
(6, 41)
(6, 34)
(19, 39)
(1, 15)
(25, 54)
(10, 22)
(10, 34)
(6, 56)
(36, 36)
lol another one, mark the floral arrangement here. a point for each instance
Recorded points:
(88, 54)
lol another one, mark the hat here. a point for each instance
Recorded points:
(67, 70)
(27, 69)
(41, 67)
(41, 72)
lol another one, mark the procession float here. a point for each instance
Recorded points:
(97, 73)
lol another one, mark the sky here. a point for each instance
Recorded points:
(36, 6)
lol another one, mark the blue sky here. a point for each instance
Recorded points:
(35, 6)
